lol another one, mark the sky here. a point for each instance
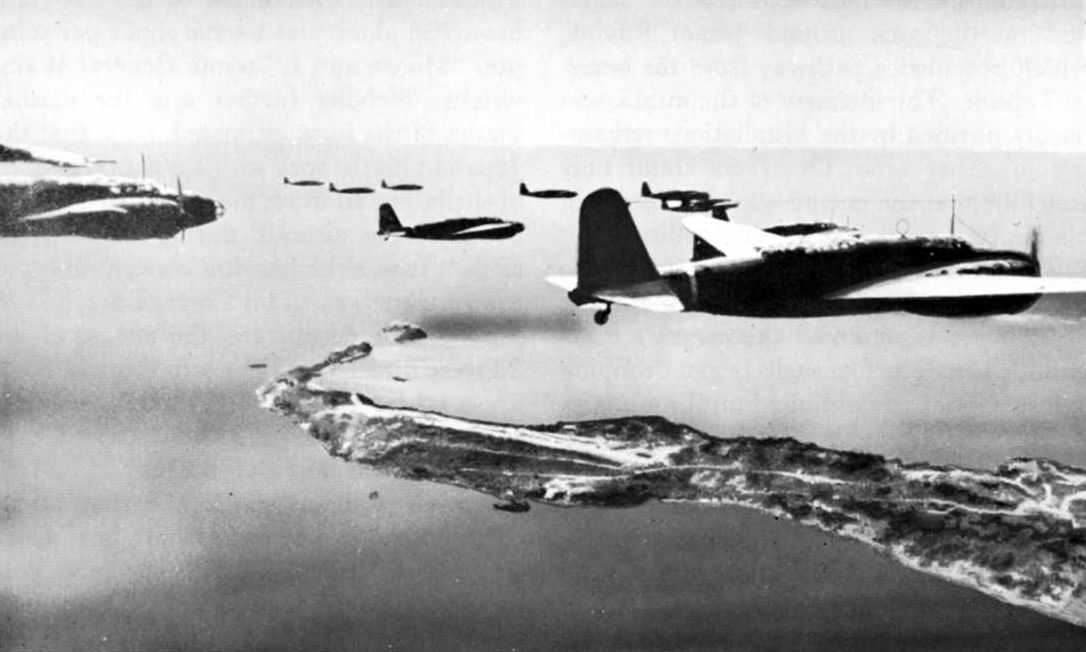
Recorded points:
(844, 73)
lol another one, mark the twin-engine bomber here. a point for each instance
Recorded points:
(111, 208)
(457, 228)
(552, 193)
(794, 272)
(354, 190)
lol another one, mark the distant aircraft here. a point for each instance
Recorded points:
(401, 186)
(546, 194)
(100, 207)
(682, 196)
(720, 210)
(799, 270)
(302, 182)
(459, 228)
(59, 158)
(703, 206)
(357, 190)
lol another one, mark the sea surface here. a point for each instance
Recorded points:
(146, 502)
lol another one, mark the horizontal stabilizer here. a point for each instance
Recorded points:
(650, 295)
(731, 239)
(655, 295)
(567, 283)
(949, 286)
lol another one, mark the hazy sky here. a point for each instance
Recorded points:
(948, 74)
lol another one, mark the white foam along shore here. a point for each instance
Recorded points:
(1016, 533)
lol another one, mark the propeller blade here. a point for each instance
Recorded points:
(180, 201)
(1035, 244)
(181, 215)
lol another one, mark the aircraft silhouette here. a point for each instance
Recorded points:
(357, 190)
(109, 208)
(718, 206)
(302, 182)
(546, 194)
(401, 186)
(684, 197)
(458, 228)
(799, 270)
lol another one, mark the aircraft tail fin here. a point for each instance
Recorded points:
(286, 180)
(613, 265)
(383, 184)
(610, 252)
(331, 187)
(645, 190)
(523, 188)
(387, 221)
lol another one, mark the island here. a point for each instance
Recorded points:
(1017, 533)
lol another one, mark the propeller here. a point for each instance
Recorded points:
(1035, 245)
(181, 208)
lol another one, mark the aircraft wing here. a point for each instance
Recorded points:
(731, 239)
(655, 295)
(939, 286)
(87, 209)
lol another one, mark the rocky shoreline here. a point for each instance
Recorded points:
(1017, 533)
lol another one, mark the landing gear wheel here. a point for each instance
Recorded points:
(602, 316)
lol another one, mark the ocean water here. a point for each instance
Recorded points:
(147, 502)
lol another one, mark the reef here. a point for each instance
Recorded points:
(1017, 533)
(401, 331)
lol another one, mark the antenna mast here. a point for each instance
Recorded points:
(953, 211)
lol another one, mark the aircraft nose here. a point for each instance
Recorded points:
(202, 210)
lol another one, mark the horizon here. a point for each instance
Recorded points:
(841, 74)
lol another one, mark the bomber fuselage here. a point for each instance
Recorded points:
(149, 209)
(796, 278)
(550, 194)
(464, 228)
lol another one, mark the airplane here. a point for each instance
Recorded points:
(357, 190)
(546, 194)
(459, 228)
(720, 211)
(110, 208)
(681, 196)
(59, 158)
(806, 270)
(302, 182)
(401, 186)
(702, 206)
